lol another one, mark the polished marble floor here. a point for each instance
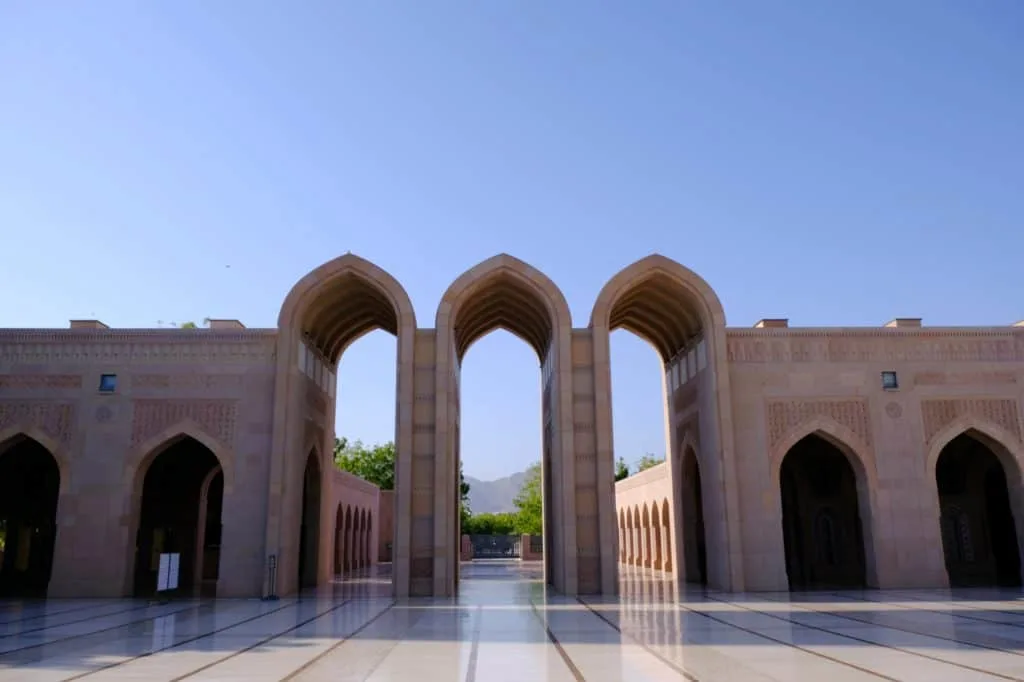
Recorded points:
(505, 626)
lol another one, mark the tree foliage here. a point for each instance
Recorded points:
(376, 464)
(502, 523)
(621, 469)
(530, 503)
(647, 461)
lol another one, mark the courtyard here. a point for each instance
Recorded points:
(506, 626)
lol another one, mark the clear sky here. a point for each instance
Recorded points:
(837, 163)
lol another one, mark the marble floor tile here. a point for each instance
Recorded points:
(506, 626)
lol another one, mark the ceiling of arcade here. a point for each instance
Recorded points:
(344, 311)
(659, 310)
(503, 302)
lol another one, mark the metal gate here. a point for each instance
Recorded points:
(496, 546)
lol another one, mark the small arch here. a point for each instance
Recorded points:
(638, 537)
(666, 525)
(658, 551)
(339, 539)
(503, 292)
(645, 521)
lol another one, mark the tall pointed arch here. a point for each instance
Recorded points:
(507, 293)
(323, 314)
(680, 315)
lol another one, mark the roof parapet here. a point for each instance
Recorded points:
(226, 324)
(772, 323)
(87, 324)
(904, 323)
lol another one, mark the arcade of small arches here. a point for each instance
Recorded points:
(353, 533)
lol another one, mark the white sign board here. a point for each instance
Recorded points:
(167, 577)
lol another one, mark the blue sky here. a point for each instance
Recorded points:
(838, 163)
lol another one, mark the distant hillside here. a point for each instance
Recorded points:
(494, 496)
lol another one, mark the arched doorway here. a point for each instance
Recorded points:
(29, 487)
(694, 547)
(182, 498)
(822, 532)
(309, 530)
(979, 536)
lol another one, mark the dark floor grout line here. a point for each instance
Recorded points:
(180, 643)
(394, 645)
(864, 641)
(100, 631)
(939, 601)
(75, 622)
(474, 651)
(323, 654)
(576, 673)
(55, 613)
(855, 619)
(783, 642)
(679, 669)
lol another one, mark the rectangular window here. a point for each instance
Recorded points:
(702, 355)
(691, 363)
(108, 383)
(302, 357)
(890, 382)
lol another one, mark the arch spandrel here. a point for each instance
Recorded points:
(859, 455)
(143, 455)
(1003, 444)
(49, 443)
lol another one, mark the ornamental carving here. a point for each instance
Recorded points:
(35, 381)
(874, 345)
(963, 378)
(938, 414)
(136, 347)
(785, 416)
(215, 417)
(54, 419)
(186, 381)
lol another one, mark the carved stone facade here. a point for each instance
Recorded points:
(106, 402)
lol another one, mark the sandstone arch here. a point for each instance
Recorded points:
(324, 313)
(675, 310)
(506, 293)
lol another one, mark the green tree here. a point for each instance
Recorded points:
(465, 513)
(192, 325)
(503, 523)
(647, 461)
(375, 463)
(621, 469)
(530, 503)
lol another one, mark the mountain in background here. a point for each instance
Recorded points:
(494, 496)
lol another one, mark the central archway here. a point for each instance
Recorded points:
(324, 314)
(506, 293)
(29, 488)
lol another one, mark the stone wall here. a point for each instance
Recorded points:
(212, 385)
(788, 383)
